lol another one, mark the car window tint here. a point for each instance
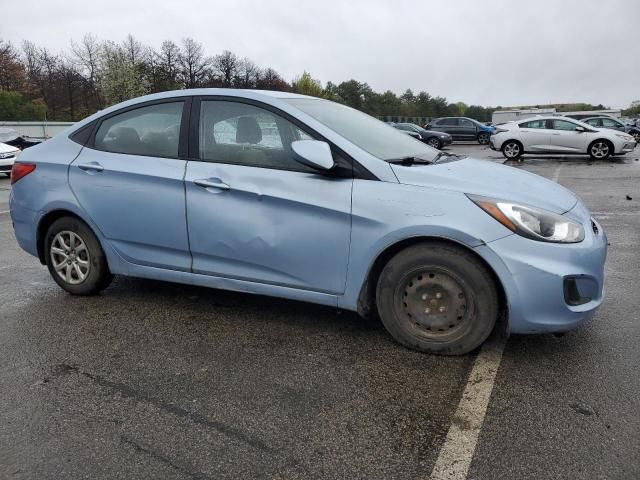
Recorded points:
(534, 124)
(153, 131)
(465, 122)
(448, 121)
(242, 134)
(564, 125)
(593, 122)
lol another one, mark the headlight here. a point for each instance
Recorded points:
(533, 223)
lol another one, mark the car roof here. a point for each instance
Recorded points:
(267, 96)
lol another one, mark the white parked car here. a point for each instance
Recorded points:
(554, 134)
(8, 155)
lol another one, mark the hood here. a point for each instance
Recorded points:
(494, 180)
(4, 148)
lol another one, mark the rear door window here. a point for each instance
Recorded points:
(534, 124)
(152, 131)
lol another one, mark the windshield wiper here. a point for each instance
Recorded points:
(408, 161)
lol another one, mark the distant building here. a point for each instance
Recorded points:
(515, 114)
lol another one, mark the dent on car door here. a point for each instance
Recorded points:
(129, 180)
(256, 214)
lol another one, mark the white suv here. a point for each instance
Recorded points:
(556, 134)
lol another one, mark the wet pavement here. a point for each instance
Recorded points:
(157, 380)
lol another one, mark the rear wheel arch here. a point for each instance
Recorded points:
(46, 221)
(367, 297)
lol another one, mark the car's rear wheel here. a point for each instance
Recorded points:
(600, 150)
(636, 135)
(434, 142)
(75, 258)
(483, 138)
(512, 149)
(437, 298)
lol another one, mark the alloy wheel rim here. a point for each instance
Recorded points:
(433, 302)
(483, 139)
(600, 150)
(434, 143)
(70, 257)
(512, 150)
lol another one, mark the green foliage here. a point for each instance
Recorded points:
(120, 76)
(13, 106)
(633, 110)
(306, 85)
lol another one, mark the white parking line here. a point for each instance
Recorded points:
(556, 174)
(4, 211)
(456, 454)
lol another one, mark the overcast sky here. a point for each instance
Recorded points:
(489, 52)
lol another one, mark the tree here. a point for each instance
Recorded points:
(120, 79)
(307, 85)
(225, 68)
(12, 71)
(194, 67)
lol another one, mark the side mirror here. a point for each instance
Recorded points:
(313, 153)
(580, 129)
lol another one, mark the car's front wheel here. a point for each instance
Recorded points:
(636, 135)
(437, 298)
(434, 142)
(75, 258)
(483, 138)
(512, 149)
(600, 150)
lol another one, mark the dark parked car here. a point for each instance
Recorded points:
(614, 123)
(463, 128)
(431, 138)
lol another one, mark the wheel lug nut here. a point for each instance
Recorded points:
(442, 309)
(427, 310)
(438, 295)
(424, 296)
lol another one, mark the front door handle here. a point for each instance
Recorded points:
(212, 183)
(91, 166)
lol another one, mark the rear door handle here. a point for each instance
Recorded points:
(92, 166)
(212, 183)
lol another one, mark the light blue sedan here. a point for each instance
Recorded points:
(291, 196)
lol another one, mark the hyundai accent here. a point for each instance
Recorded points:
(291, 196)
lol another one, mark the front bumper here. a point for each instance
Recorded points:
(540, 280)
(492, 144)
(448, 140)
(628, 147)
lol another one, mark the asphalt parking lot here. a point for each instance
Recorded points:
(157, 380)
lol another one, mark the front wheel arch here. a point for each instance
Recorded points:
(603, 140)
(367, 297)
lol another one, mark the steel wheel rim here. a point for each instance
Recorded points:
(434, 143)
(600, 150)
(434, 303)
(511, 150)
(70, 257)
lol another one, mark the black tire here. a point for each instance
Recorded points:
(636, 135)
(483, 138)
(512, 149)
(434, 142)
(600, 149)
(98, 277)
(437, 298)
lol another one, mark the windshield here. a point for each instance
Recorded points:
(371, 135)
